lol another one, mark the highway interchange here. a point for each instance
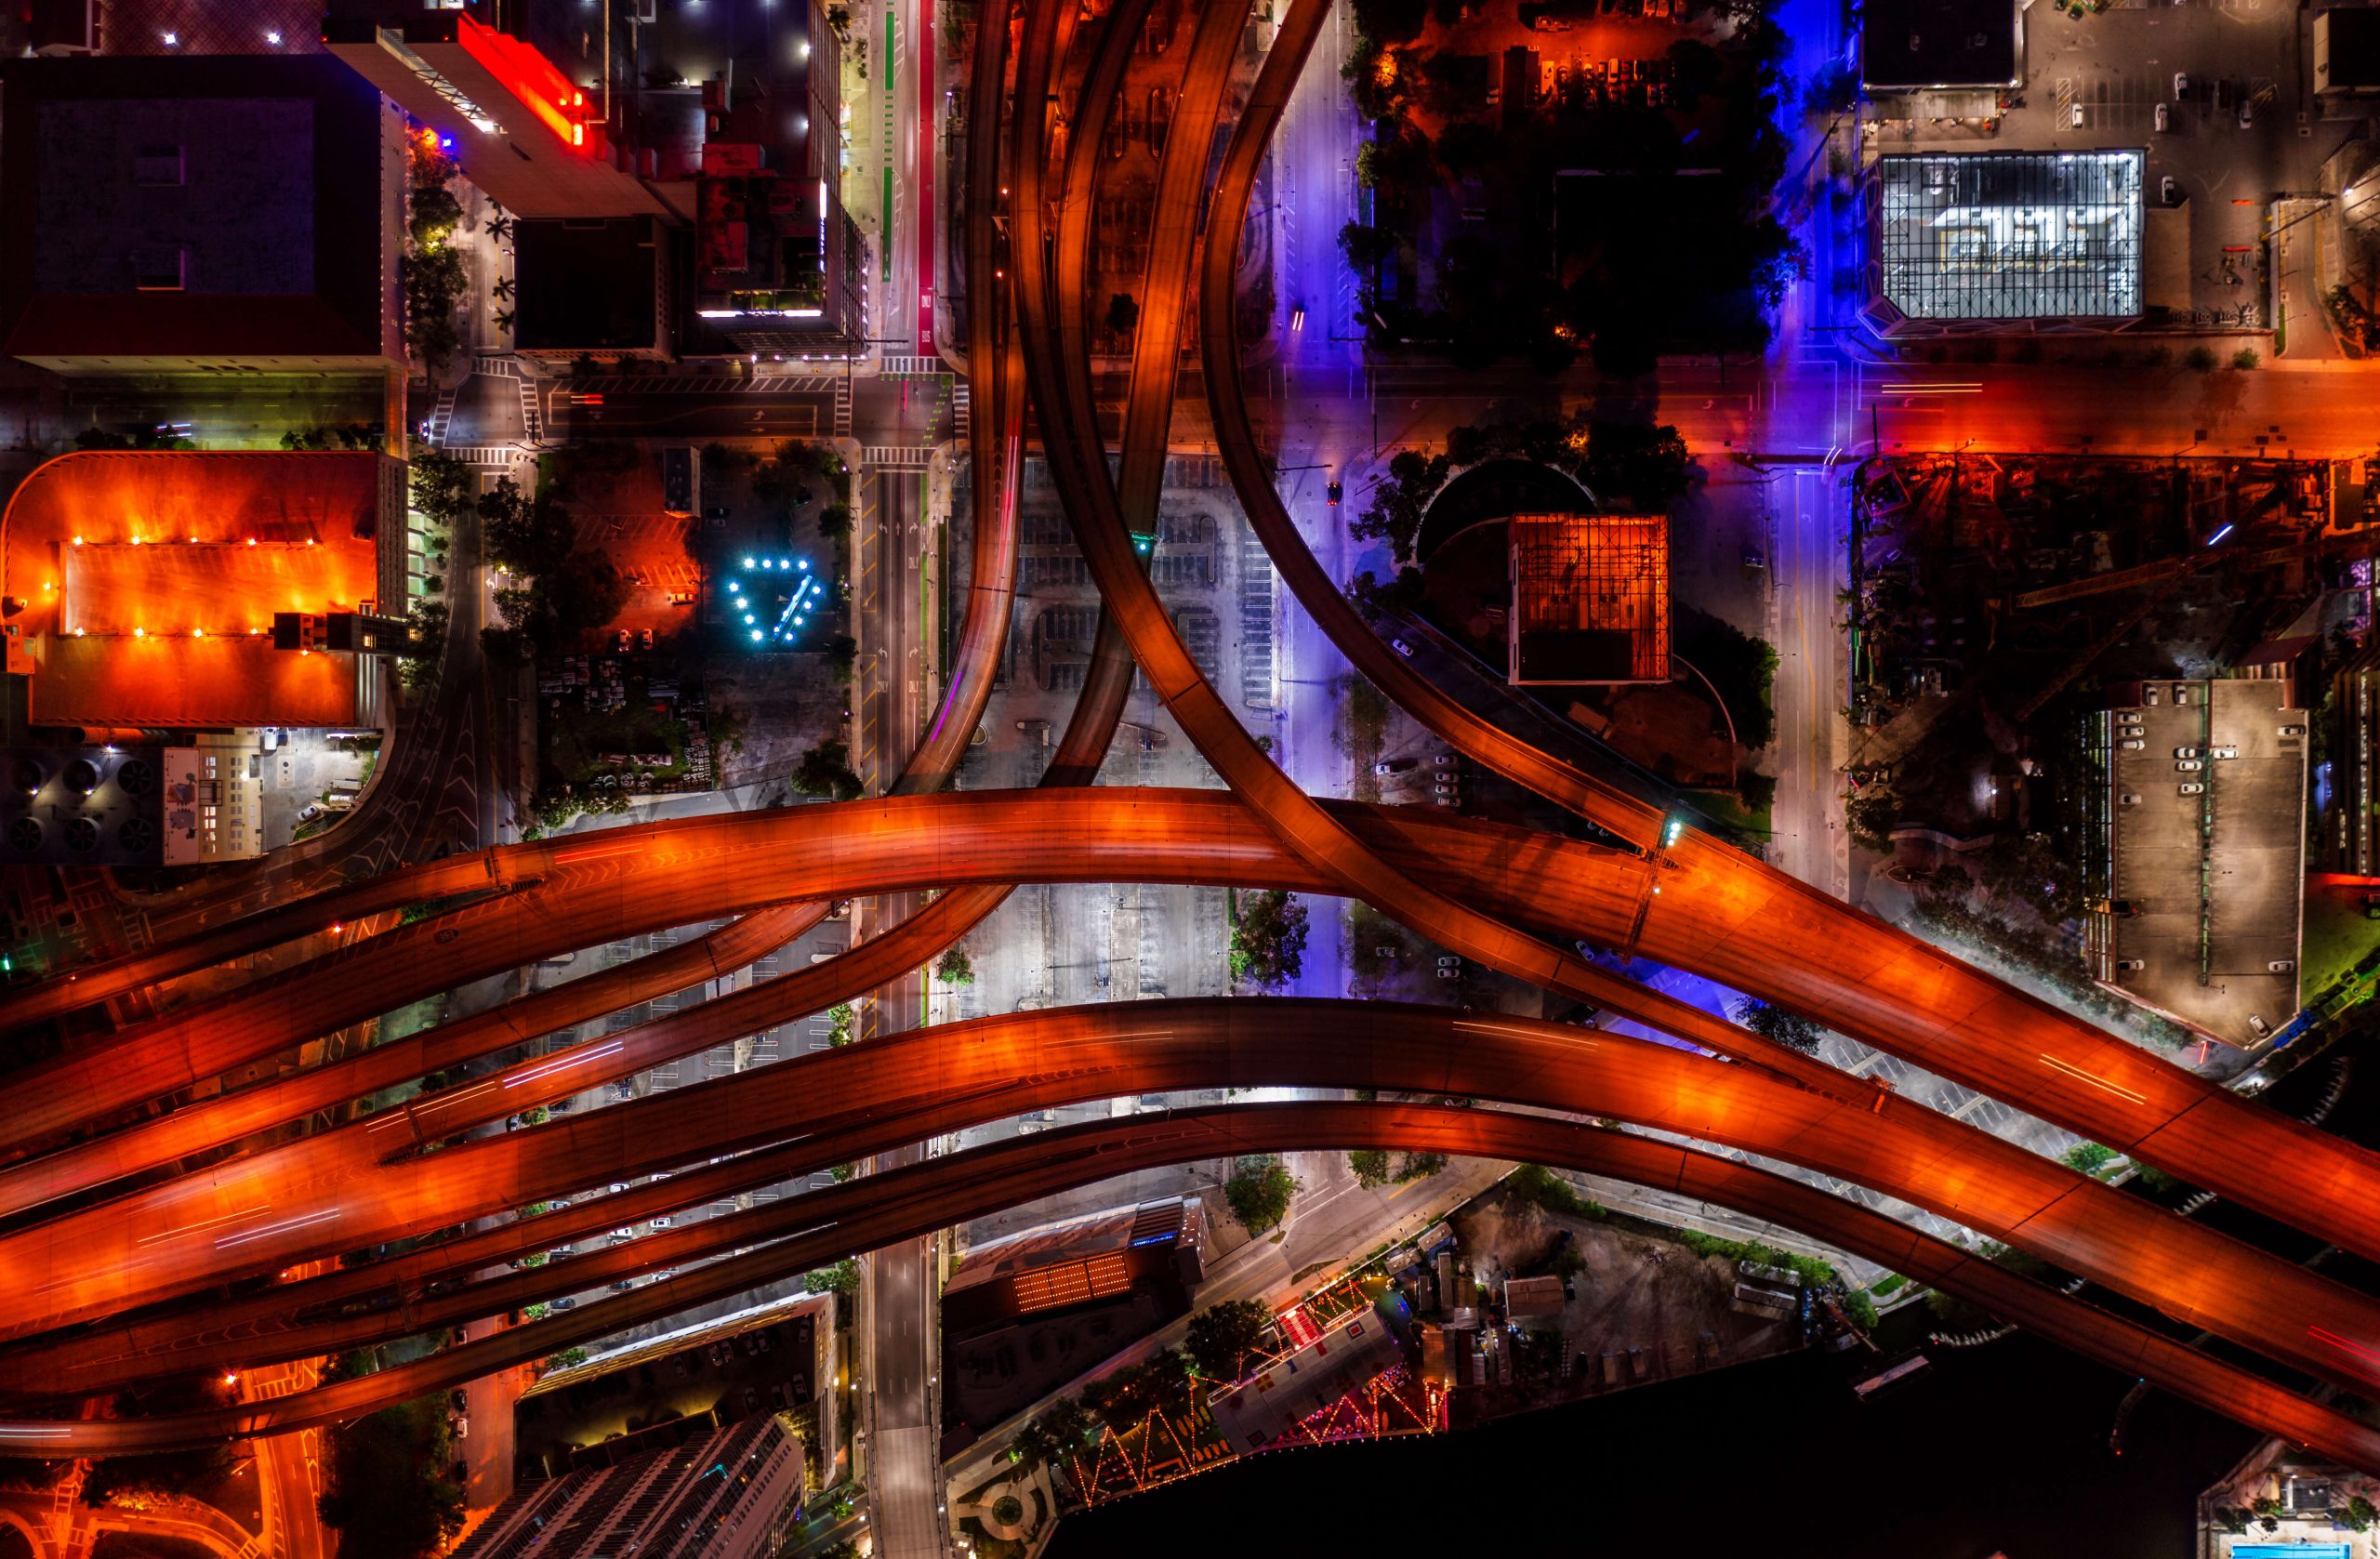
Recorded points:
(78, 1131)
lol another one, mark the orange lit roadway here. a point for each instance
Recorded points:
(1852, 972)
(869, 1098)
(907, 1202)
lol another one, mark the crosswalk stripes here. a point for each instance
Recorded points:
(501, 368)
(843, 409)
(958, 405)
(532, 419)
(503, 454)
(886, 457)
(440, 415)
(915, 366)
(759, 384)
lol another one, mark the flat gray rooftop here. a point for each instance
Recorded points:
(2010, 236)
(2216, 879)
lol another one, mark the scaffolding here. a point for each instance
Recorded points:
(1591, 599)
(2010, 236)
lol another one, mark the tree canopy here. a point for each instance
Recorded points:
(1259, 1193)
(1268, 939)
(1222, 1336)
(1789, 1029)
(385, 1489)
(826, 770)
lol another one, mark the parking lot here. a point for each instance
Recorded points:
(2096, 81)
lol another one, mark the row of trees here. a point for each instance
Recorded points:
(386, 1489)
(1223, 1343)
(1377, 1167)
(432, 269)
(1625, 465)
(561, 590)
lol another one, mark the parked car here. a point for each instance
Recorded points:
(311, 811)
(2131, 963)
(1446, 973)
(2185, 752)
(1450, 961)
(461, 1426)
(2257, 1024)
(2132, 799)
(660, 1223)
(2226, 752)
(2181, 86)
(566, 1303)
(2292, 731)
(459, 1399)
(2189, 766)
(1444, 760)
(2164, 121)
(2193, 790)
(2281, 966)
(1401, 647)
(2132, 746)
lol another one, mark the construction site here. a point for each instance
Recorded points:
(1997, 600)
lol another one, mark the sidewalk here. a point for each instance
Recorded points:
(1256, 1270)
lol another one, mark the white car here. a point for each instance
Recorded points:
(1402, 648)
(2189, 766)
(2164, 122)
(2225, 752)
(2193, 790)
(2181, 84)
(2134, 745)
(2131, 963)
(2132, 799)
(2292, 731)
(659, 1222)
(2281, 966)
(2185, 752)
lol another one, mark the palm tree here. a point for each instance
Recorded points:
(504, 287)
(504, 319)
(499, 227)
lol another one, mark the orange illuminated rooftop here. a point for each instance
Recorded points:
(1591, 598)
(145, 582)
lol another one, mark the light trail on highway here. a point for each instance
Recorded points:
(903, 1203)
(897, 1090)
(1495, 895)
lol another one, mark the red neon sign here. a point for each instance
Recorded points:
(532, 78)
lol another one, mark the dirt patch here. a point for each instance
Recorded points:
(1655, 1307)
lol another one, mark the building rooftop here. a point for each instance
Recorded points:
(2010, 236)
(227, 207)
(1911, 45)
(2347, 50)
(593, 286)
(2204, 887)
(1591, 598)
(145, 582)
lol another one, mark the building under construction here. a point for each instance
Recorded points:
(1591, 599)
